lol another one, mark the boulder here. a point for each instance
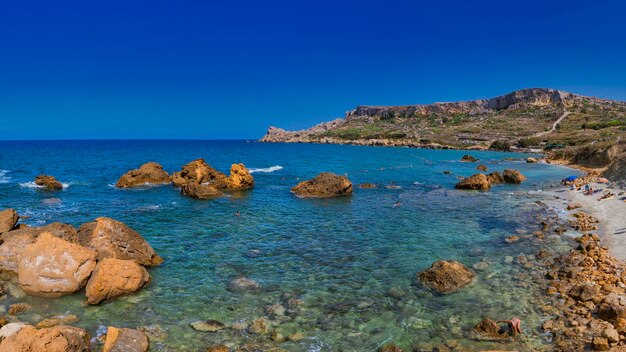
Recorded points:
(148, 173)
(113, 278)
(481, 167)
(199, 172)
(8, 219)
(532, 160)
(474, 182)
(57, 320)
(208, 325)
(125, 340)
(200, 191)
(55, 339)
(513, 176)
(54, 267)
(113, 239)
(243, 284)
(489, 330)
(240, 178)
(324, 185)
(49, 182)
(468, 159)
(446, 276)
(495, 178)
(14, 242)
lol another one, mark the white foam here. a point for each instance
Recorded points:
(3, 176)
(32, 184)
(266, 169)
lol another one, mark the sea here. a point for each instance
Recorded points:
(351, 262)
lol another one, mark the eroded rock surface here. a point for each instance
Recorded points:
(148, 173)
(324, 185)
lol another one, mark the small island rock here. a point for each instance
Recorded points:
(468, 159)
(324, 185)
(513, 176)
(49, 182)
(148, 173)
(474, 182)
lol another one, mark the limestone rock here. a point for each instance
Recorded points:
(474, 182)
(495, 178)
(208, 325)
(446, 276)
(113, 278)
(513, 176)
(324, 185)
(49, 182)
(125, 340)
(13, 242)
(148, 173)
(55, 339)
(113, 239)
(54, 267)
(468, 159)
(199, 172)
(8, 219)
(482, 167)
(57, 320)
(200, 191)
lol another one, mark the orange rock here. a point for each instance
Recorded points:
(125, 340)
(113, 278)
(54, 267)
(49, 182)
(148, 173)
(8, 219)
(113, 239)
(446, 276)
(324, 185)
(474, 182)
(55, 339)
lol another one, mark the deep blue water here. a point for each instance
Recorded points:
(341, 256)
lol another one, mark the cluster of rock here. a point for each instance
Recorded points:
(196, 179)
(484, 182)
(55, 260)
(20, 337)
(324, 185)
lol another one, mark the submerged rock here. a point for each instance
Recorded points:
(148, 173)
(54, 267)
(113, 239)
(446, 276)
(125, 340)
(49, 182)
(57, 320)
(324, 185)
(260, 326)
(55, 339)
(391, 348)
(474, 182)
(218, 348)
(368, 186)
(113, 278)
(8, 219)
(208, 325)
(482, 167)
(243, 284)
(513, 176)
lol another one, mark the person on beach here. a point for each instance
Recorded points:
(514, 325)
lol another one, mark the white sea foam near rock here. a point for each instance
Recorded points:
(33, 185)
(4, 178)
(266, 169)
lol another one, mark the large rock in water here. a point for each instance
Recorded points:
(513, 176)
(200, 191)
(475, 182)
(113, 239)
(55, 339)
(53, 267)
(113, 278)
(446, 276)
(324, 185)
(125, 340)
(148, 173)
(14, 242)
(199, 172)
(49, 182)
(8, 219)
(468, 159)
(495, 178)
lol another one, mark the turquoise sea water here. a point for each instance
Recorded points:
(340, 256)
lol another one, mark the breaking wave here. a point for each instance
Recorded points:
(267, 169)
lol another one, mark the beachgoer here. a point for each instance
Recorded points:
(514, 325)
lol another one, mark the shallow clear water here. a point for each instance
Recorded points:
(341, 256)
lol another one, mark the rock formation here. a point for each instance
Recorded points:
(495, 178)
(55, 339)
(113, 239)
(513, 176)
(482, 167)
(324, 185)
(148, 173)
(199, 180)
(8, 219)
(446, 276)
(474, 182)
(200, 191)
(125, 340)
(49, 182)
(468, 159)
(113, 278)
(53, 267)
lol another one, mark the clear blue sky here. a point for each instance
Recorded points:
(229, 69)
